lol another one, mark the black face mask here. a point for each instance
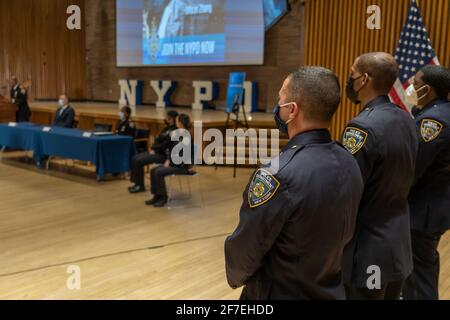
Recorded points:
(281, 124)
(352, 94)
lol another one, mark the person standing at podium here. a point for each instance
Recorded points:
(19, 97)
(65, 115)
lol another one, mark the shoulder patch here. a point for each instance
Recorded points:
(262, 188)
(430, 129)
(354, 139)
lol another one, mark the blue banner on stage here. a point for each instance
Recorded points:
(235, 94)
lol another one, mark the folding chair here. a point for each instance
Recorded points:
(185, 196)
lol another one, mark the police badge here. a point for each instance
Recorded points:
(430, 129)
(262, 188)
(354, 139)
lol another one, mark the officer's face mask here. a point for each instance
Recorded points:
(61, 102)
(412, 95)
(122, 116)
(352, 94)
(282, 125)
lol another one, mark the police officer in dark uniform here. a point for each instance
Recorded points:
(182, 166)
(430, 197)
(126, 127)
(19, 97)
(157, 154)
(300, 211)
(384, 142)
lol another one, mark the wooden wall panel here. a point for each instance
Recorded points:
(283, 54)
(35, 44)
(336, 34)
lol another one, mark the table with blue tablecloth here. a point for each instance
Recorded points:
(110, 153)
(23, 136)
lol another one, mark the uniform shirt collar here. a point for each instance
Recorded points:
(309, 137)
(16, 86)
(380, 100)
(433, 104)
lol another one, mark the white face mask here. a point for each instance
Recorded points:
(122, 116)
(61, 103)
(412, 95)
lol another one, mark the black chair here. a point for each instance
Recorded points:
(102, 127)
(142, 140)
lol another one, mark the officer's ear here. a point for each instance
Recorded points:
(365, 80)
(294, 111)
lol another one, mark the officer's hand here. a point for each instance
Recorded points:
(167, 164)
(152, 152)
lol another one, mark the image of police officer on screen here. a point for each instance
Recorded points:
(383, 140)
(429, 199)
(299, 212)
(19, 97)
(192, 17)
(65, 115)
(156, 154)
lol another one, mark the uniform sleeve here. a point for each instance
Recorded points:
(132, 130)
(162, 143)
(361, 142)
(261, 222)
(433, 137)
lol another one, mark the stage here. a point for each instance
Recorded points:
(146, 117)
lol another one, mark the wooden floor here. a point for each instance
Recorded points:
(50, 221)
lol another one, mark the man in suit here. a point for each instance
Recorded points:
(383, 140)
(65, 115)
(19, 97)
(299, 212)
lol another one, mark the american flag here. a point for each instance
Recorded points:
(414, 52)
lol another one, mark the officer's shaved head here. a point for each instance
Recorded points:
(381, 68)
(317, 90)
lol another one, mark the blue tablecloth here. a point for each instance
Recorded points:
(110, 154)
(24, 137)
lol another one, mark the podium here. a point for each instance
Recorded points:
(7, 110)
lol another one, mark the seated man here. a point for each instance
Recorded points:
(125, 127)
(65, 115)
(156, 154)
(171, 166)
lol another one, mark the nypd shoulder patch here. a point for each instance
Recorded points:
(354, 139)
(262, 188)
(430, 129)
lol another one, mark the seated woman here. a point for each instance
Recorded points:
(173, 166)
(125, 126)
